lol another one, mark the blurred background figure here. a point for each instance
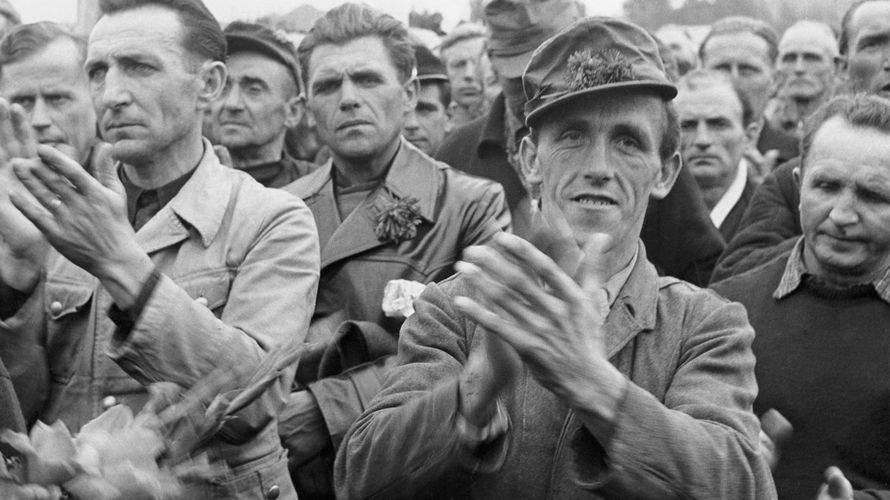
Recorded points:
(426, 126)
(463, 53)
(261, 100)
(681, 45)
(807, 70)
(716, 126)
(9, 17)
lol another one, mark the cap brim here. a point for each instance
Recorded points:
(510, 66)
(666, 90)
(435, 77)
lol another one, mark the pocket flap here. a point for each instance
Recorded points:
(211, 288)
(65, 298)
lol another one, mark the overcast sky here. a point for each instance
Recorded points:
(228, 10)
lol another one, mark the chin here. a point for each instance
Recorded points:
(131, 152)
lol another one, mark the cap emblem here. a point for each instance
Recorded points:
(586, 70)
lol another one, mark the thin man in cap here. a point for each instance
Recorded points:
(426, 126)
(579, 372)
(260, 102)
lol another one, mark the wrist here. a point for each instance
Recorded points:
(473, 405)
(124, 278)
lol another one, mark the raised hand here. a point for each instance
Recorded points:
(84, 218)
(835, 486)
(22, 246)
(552, 321)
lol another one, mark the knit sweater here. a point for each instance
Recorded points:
(821, 361)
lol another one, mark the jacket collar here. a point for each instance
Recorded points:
(636, 307)
(412, 174)
(494, 131)
(201, 204)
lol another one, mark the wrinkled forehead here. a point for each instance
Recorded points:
(143, 29)
(736, 46)
(869, 17)
(812, 38)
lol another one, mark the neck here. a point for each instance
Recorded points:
(806, 105)
(252, 155)
(165, 166)
(712, 195)
(837, 277)
(361, 170)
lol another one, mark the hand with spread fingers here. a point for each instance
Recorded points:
(552, 320)
(22, 246)
(83, 218)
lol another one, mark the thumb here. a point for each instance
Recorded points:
(838, 487)
(105, 169)
(592, 271)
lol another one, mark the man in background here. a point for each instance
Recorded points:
(260, 102)
(427, 125)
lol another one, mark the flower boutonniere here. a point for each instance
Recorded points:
(397, 221)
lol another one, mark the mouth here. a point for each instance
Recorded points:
(118, 125)
(352, 123)
(884, 91)
(594, 200)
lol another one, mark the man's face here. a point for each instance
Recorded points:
(144, 92)
(466, 69)
(845, 202)
(597, 161)
(869, 48)
(52, 88)
(713, 137)
(257, 105)
(745, 57)
(806, 62)
(356, 98)
(426, 125)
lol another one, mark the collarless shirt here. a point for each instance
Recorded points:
(796, 271)
(143, 204)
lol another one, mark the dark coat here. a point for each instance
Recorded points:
(678, 233)
(769, 226)
(733, 219)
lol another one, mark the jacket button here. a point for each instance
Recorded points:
(202, 301)
(108, 402)
(273, 493)
(55, 307)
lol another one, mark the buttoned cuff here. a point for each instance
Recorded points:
(486, 446)
(126, 319)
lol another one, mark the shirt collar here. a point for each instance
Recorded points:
(164, 193)
(614, 285)
(795, 270)
(731, 196)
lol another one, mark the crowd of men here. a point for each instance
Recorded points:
(546, 256)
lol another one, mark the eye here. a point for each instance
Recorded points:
(57, 99)
(627, 142)
(325, 86)
(254, 89)
(687, 125)
(571, 136)
(748, 71)
(27, 102)
(366, 80)
(97, 75)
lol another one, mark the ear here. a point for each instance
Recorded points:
(212, 76)
(293, 111)
(752, 131)
(412, 89)
(667, 175)
(797, 175)
(839, 64)
(528, 161)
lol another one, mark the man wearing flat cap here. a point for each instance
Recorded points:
(677, 230)
(260, 102)
(427, 125)
(576, 371)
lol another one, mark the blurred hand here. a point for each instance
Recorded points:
(302, 428)
(775, 431)
(763, 163)
(835, 486)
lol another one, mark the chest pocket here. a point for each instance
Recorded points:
(68, 317)
(210, 288)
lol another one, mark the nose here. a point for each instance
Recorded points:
(115, 93)
(844, 212)
(469, 71)
(40, 118)
(702, 138)
(233, 100)
(411, 124)
(798, 65)
(598, 170)
(349, 98)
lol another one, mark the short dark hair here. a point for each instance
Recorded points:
(202, 34)
(703, 78)
(859, 110)
(444, 90)
(844, 38)
(743, 24)
(25, 40)
(349, 21)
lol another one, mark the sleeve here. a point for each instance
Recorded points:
(486, 214)
(871, 495)
(678, 233)
(270, 300)
(770, 226)
(701, 441)
(23, 354)
(419, 404)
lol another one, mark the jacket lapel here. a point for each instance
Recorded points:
(411, 174)
(636, 307)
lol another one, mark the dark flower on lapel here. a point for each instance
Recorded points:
(398, 220)
(586, 70)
